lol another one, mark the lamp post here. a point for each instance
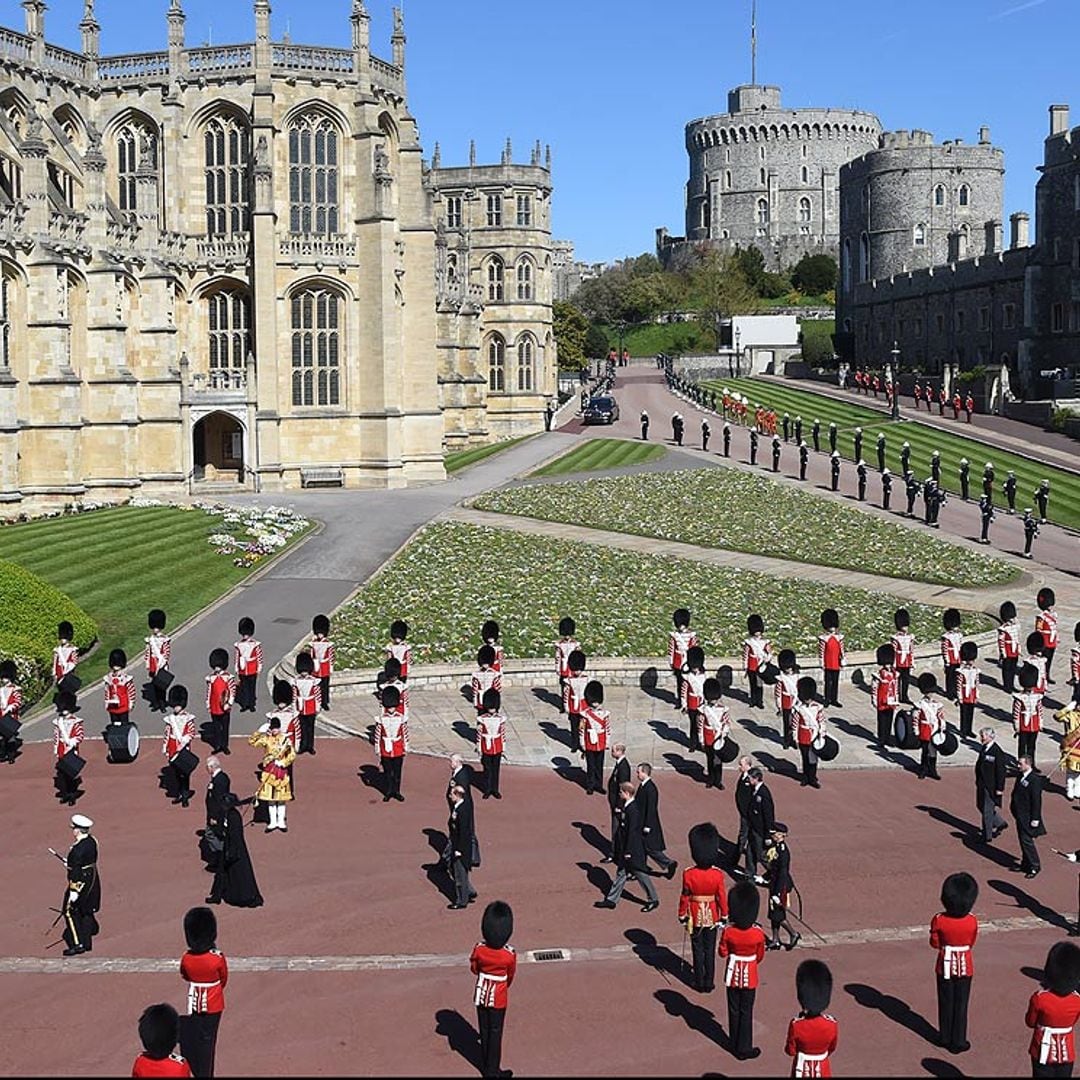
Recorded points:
(738, 354)
(894, 376)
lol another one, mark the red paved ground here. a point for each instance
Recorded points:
(349, 880)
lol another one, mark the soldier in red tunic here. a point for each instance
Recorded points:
(969, 406)
(951, 640)
(399, 649)
(322, 653)
(886, 693)
(1053, 1011)
(10, 710)
(307, 693)
(714, 727)
(119, 688)
(967, 688)
(66, 654)
(1027, 712)
(917, 394)
(220, 691)
(930, 717)
(757, 655)
(249, 662)
(566, 644)
(953, 932)
(1046, 623)
(157, 656)
(693, 690)
(957, 404)
(703, 903)
(812, 1035)
(742, 947)
(1008, 641)
(680, 640)
(831, 655)
(391, 676)
(179, 734)
(808, 720)
(494, 963)
(206, 972)
(594, 731)
(489, 633)
(68, 734)
(786, 692)
(573, 694)
(391, 740)
(158, 1032)
(485, 677)
(491, 740)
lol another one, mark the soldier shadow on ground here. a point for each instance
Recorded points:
(207, 733)
(566, 770)
(1032, 972)
(465, 730)
(659, 957)
(592, 836)
(859, 731)
(461, 1037)
(761, 731)
(896, 1010)
(557, 734)
(777, 766)
(937, 1067)
(692, 770)
(969, 835)
(548, 697)
(76, 794)
(466, 691)
(600, 880)
(649, 684)
(436, 872)
(665, 731)
(371, 776)
(696, 1017)
(1028, 902)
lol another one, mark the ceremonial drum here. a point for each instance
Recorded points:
(905, 731)
(946, 743)
(70, 683)
(123, 743)
(728, 751)
(163, 679)
(826, 747)
(185, 762)
(9, 727)
(71, 764)
(769, 674)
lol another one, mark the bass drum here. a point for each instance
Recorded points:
(826, 747)
(905, 730)
(123, 743)
(946, 743)
(729, 751)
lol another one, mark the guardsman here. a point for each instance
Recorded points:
(953, 931)
(780, 884)
(82, 898)
(573, 694)
(886, 488)
(951, 640)
(644, 424)
(812, 1035)
(705, 433)
(714, 726)
(881, 451)
(858, 439)
(1069, 762)
(742, 948)
(886, 692)
(988, 479)
(727, 439)
(930, 716)
(220, 692)
(703, 905)
(399, 648)
(957, 404)
(179, 735)
(494, 963)
(1008, 642)
(307, 690)
(157, 656)
(903, 643)
(798, 430)
(66, 653)
(1036, 660)
(912, 487)
(753, 446)
(1027, 712)
(834, 469)
(967, 687)
(566, 644)
(487, 677)
(1009, 490)
(935, 466)
(757, 655)
(10, 710)
(787, 427)
(969, 406)
(248, 656)
(119, 688)
(1053, 1011)
(831, 655)
(815, 434)
(159, 1030)
(1042, 499)
(391, 741)
(776, 453)
(905, 457)
(489, 634)
(832, 437)
(693, 690)
(680, 640)
(986, 515)
(677, 428)
(68, 734)
(1074, 664)
(1031, 530)
(1046, 623)
(594, 732)
(491, 741)
(322, 652)
(965, 478)
(786, 692)
(930, 493)
(861, 472)
(808, 720)
(285, 710)
(275, 772)
(206, 971)
(943, 397)
(804, 459)
(917, 394)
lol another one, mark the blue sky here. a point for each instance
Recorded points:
(611, 83)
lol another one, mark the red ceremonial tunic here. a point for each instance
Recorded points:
(903, 644)
(574, 693)
(703, 899)
(785, 690)
(500, 654)
(392, 735)
(158, 653)
(206, 974)
(119, 692)
(693, 689)
(490, 733)
(290, 724)
(679, 642)
(1053, 1017)
(322, 652)
(494, 970)
(595, 728)
(714, 723)
(10, 700)
(65, 657)
(810, 1041)
(1039, 664)
(1027, 712)
(743, 950)
(808, 721)
(756, 653)
(885, 689)
(307, 695)
(831, 651)
(1008, 639)
(401, 651)
(173, 1065)
(220, 691)
(1046, 622)
(969, 404)
(967, 684)
(249, 656)
(563, 649)
(953, 938)
(179, 731)
(951, 641)
(403, 696)
(68, 733)
(931, 717)
(488, 679)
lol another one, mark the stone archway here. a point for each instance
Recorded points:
(218, 447)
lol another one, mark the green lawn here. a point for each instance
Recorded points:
(118, 564)
(1064, 486)
(460, 459)
(739, 511)
(622, 601)
(653, 338)
(594, 454)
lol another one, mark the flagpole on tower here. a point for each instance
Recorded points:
(753, 42)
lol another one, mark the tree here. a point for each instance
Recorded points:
(596, 343)
(720, 283)
(571, 328)
(752, 264)
(815, 275)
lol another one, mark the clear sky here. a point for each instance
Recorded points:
(611, 83)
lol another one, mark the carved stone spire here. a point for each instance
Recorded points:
(176, 19)
(262, 21)
(472, 151)
(398, 39)
(361, 26)
(436, 157)
(35, 17)
(91, 31)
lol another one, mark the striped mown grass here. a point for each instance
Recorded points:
(463, 458)
(594, 454)
(1064, 486)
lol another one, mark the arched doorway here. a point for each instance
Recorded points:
(218, 444)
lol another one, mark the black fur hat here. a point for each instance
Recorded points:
(755, 624)
(491, 700)
(305, 663)
(485, 655)
(497, 924)
(200, 929)
(392, 667)
(246, 626)
(704, 845)
(391, 697)
(1007, 611)
(695, 657)
(594, 692)
(65, 630)
(1061, 972)
(1076, 632)
(950, 619)
(156, 619)
(567, 626)
(958, 894)
(320, 625)
(813, 986)
(902, 618)
(282, 693)
(399, 628)
(1035, 643)
(681, 617)
(786, 659)
(178, 696)
(219, 658)
(1045, 598)
(576, 660)
(886, 655)
(490, 630)
(117, 658)
(830, 620)
(927, 683)
(743, 904)
(159, 1030)
(712, 690)
(1029, 676)
(8, 670)
(969, 651)
(806, 688)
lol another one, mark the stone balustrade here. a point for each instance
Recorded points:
(334, 246)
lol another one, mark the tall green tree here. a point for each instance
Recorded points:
(815, 275)
(720, 283)
(571, 331)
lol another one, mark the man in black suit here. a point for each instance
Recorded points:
(620, 774)
(990, 784)
(630, 855)
(218, 788)
(744, 792)
(1026, 808)
(462, 775)
(459, 849)
(648, 798)
(762, 818)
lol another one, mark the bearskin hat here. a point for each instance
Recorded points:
(490, 630)
(305, 663)
(219, 658)
(681, 617)
(282, 693)
(65, 630)
(594, 692)
(886, 655)
(704, 845)
(755, 624)
(786, 659)
(712, 690)
(1029, 676)
(159, 1030)
(200, 929)
(830, 620)
(246, 626)
(392, 667)
(958, 895)
(1061, 972)
(65, 702)
(969, 651)
(320, 625)
(806, 688)
(695, 657)
(567, 626)
(1076, 632)
(491, 700)
(1007, 611)
(391, 697)
(399, 629)
(902, 618)
(743, 904)
(156, 619)
(497, 924)
(1035, 643)
(575, 661)
(486, 655)
(813, 986)
(950, 619)
(117, 658)
(178, 696)
(927, 683)
(8, 670)
(1045, 598)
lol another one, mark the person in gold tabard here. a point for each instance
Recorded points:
(275, 784)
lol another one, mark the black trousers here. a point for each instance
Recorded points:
(832, 686)
(757, 690)
(742, 844)
(80, 926)
(490, 1024)
(198, 1041)
(178, 785)
(1049, 654)
(575, 731)
(928, 759)
(1064, 1069)
(904, 675)
(952, 1009)
(886, 497)
(967, 718)
(985, 533)
(491, 763)
(157, 697)
(950, 680)
(703, 950)
(1008, 673)
(714, 768)
(307, 735)
(740, 1011)
(391, 767)
(1025, 744)
(785, 725)
(325, 683)
(885, 726)
(692, 717)
(594, 770)
(246, 687)
(809, 763)
(1029, 855)
(219, 726)
(66, 786)
(678, 684)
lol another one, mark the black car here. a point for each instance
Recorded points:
(601, 410)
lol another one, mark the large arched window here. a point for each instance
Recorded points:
(228, 324)
(864, 257)
(226, 142)
(806, 212)
(313, 175)
(496, 275)
(6, 291)
(496, 364)
(524, 276)
(316, 347)
(133, 140)
(526, 356)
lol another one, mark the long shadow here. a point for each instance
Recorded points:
(672, 734)
(556, 733)
(207, 733)
(778, 766)
(436, 872)
(1032, 972)
(548, 697)
(593, 836)
(696, 1017)
(969, 835)
(371, 776)
(761, 731)
(649, 684)
(461, 1037)
(465, 730)
(659, 957)
(856, 731)
(937, 1067)
(600, 879)
(1029, 903)
(466, 692)
(565, 769)
(693, 770)
(896, 1010)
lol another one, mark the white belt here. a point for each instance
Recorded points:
(196, 998)
(1048, 1036)
(951, 951)
(732, 961)
(484, 984)
(802, 1060)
